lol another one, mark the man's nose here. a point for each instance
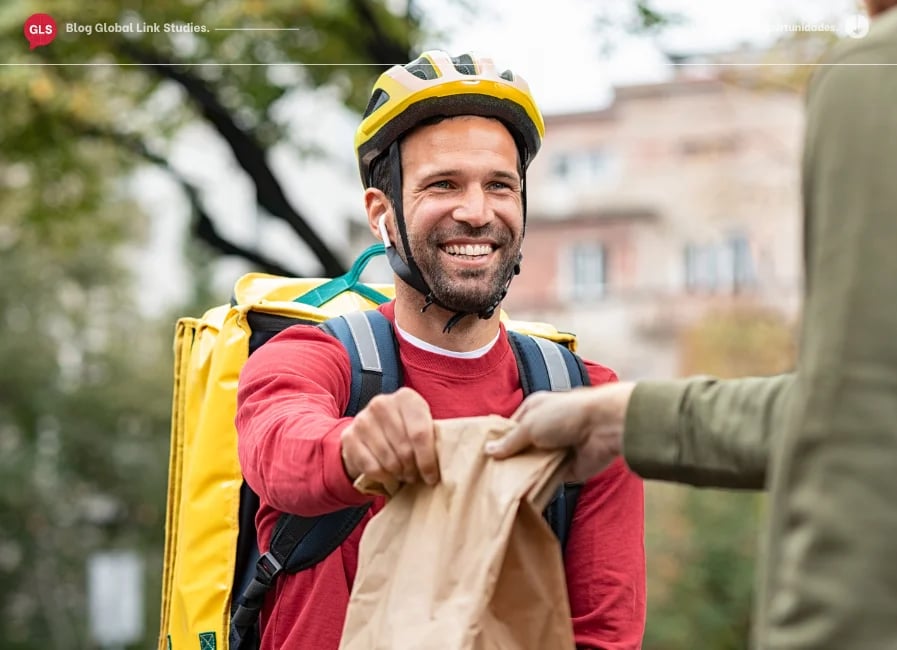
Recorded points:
(473, 207)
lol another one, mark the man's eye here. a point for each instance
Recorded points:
(441, 185)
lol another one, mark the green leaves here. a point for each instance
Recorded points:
(86, 387)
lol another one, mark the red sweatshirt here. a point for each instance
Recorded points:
(292, 393)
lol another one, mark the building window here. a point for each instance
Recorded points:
(560, 167)
(589, 271)
(743, 273)
(726, 267)
(700, 268)
(588, 165)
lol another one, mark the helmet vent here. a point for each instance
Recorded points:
(507, 75)
(423, 68)
(378, 98)
(464, 64)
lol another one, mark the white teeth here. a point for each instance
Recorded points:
(469, 249)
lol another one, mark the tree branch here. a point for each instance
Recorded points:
(379, 47)
(202, 227)
(248, 152)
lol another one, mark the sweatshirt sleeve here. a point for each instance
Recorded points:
(704, 431)
(290, 398)
(605, 555)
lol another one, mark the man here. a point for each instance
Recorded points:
(442, 149)
(825, 438)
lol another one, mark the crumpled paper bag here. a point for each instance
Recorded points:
(468, 564)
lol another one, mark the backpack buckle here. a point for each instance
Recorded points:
(267, 568)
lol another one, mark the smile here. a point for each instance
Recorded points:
(468, 250)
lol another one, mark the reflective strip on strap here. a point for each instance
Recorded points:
(363, 336)
(558, 376)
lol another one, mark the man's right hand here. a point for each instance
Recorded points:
(392, 438)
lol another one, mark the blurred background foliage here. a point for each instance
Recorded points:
(702, 544)
(86, 387)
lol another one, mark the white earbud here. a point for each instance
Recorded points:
(381, 226)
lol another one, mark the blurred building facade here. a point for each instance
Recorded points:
(676, 199)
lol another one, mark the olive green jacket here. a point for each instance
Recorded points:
(824, 440)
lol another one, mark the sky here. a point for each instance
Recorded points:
(558, 47)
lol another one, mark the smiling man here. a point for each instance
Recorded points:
(443, 149)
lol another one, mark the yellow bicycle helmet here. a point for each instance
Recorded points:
(436, 84)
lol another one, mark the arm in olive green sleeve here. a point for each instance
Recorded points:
(704, 431)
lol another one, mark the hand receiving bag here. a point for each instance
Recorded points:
(467, 564)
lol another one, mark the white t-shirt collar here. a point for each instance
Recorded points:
(429, 347)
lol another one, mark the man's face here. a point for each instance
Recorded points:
(463, 209)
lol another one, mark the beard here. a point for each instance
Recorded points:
(467, 290)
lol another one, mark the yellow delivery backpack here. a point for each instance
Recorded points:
(214, 580)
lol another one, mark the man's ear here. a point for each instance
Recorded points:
(377, 206)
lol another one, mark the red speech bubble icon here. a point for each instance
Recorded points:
(40, 29)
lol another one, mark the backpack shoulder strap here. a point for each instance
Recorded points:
(547, 365)
(299, 543)
(373, 355)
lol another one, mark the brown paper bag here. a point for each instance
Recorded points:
(468, 564)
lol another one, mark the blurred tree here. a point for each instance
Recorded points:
(231, 78)
(738, 341)
(702, 543)
(784, 66)
(85, 388)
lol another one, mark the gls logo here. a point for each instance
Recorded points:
(40, 29)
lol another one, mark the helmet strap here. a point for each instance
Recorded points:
(406, 269)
